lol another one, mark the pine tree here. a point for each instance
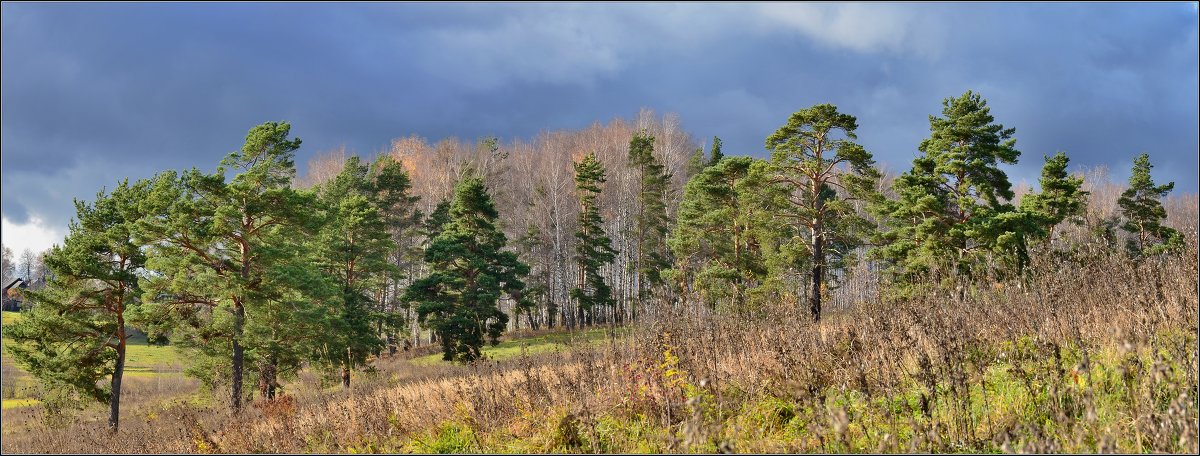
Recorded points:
(594, 249)
(951, 213)
(652, 224)
(436, 221)
(469, 273)
(76, 333)
(353, 247)
(391, 187)
(1144, 213)
(782, 244)
(1061, 197)
(220, 249)
(717, 255)
(292, 317)
(430, 229)
(826, 173)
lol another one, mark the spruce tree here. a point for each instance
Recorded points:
(952, 211)
(431, 227)
(826, 174)
(1144, 213)
(468, 274)
(715, 154)
(1060, 198)
(652, 225)
(76, 333)
(594, 249)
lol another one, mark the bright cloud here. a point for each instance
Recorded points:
(34, 235)
(892, 28)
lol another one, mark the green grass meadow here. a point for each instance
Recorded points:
(546, 343)
(142, 360)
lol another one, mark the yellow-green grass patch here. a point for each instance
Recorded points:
(10, 317)
(546, 343)
(14, 403)
(139, 355)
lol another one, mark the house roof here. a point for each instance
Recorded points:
(10, 285)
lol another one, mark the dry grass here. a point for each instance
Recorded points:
(1094, 353)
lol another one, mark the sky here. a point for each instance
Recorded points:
(93, 93)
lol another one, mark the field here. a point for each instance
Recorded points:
(1096, 360)
(533, 344)
(151, 362)
(154, 378)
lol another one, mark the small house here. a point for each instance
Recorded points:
(12, 298)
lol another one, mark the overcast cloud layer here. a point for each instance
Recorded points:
(93, 93)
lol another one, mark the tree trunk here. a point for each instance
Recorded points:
(818, 272)
(239, 323)
(379, 330)
(239, 319)
(114, 401)
(415, 331)
(267, 373)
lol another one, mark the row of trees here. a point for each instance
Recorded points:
(257, 278)
(750, 229)
(260, 274)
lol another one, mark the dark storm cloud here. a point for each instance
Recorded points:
(92, 93)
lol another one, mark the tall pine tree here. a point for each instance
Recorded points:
(825, 173)
(391, 188)
(953, 211)
(76, 334)
(594, 249)
(652, 224)
(220, 247)
(469, 273)
(354, 245)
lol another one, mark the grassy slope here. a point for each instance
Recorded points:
(998, 400)
(144, 360)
